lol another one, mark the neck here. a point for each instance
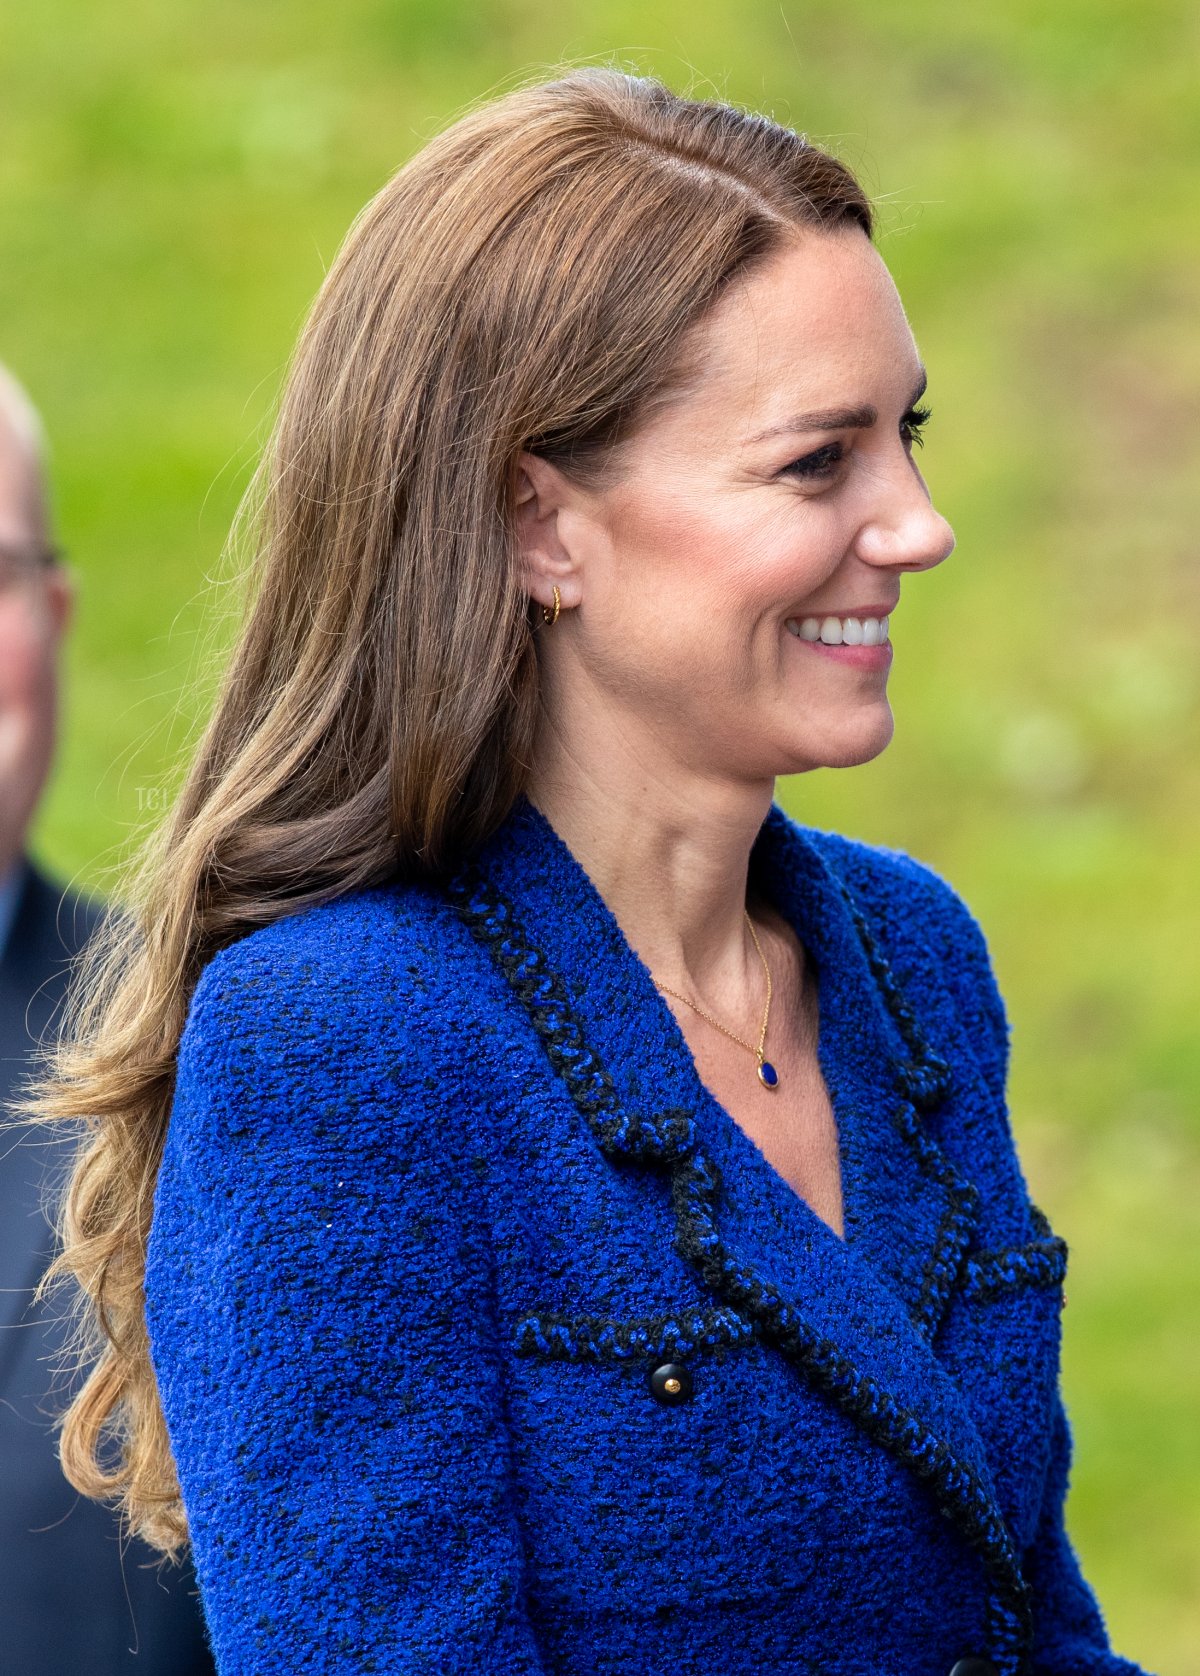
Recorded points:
(667, 848)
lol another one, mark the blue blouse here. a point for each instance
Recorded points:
(488, 1341)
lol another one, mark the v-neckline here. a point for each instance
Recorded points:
(814, 1043)
(732, 1129)
(855, 1051)
(732, 1139)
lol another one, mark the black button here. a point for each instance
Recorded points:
(671, 1382)
(974, 1667)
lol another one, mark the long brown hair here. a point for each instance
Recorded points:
(526, 281)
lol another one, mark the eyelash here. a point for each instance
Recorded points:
(825, 459)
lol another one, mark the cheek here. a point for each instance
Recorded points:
(686, 624)
(716, 562)
(693, 594)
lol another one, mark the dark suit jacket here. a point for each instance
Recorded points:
(74, 1599)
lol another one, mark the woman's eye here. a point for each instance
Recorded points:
(820, 464)
(913, 424)
(824, 462)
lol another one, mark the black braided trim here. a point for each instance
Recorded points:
(489, 918)
(989, 1274)
(923, 1082)
(957, 1490)
(670, 1140)
(925, 1078)
(959, 1221)
(579, 1339)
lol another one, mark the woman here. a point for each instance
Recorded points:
(586, 1228)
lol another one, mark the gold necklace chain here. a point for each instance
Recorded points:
(767, 1074)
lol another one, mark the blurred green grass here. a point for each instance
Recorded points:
(173, 182)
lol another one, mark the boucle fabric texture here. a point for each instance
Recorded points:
(443, 1194)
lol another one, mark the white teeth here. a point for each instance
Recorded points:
(841, 631)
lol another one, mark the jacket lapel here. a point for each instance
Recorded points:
(857, 1317)
(909, 1214)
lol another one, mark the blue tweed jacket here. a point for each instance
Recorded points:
(489, 1342)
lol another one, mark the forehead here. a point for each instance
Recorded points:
(818, 324)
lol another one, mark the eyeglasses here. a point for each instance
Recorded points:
(19, 561)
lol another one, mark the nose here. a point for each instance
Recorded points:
(906, 531)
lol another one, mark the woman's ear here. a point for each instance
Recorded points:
(547, 561)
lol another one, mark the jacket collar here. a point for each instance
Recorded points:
(858, 1316)
(908, 1214)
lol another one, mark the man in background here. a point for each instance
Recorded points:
(76, 1599)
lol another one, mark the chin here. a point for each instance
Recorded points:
(860, 740)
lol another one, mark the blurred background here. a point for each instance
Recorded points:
(174, 180)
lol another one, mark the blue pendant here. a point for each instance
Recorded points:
(767, 1074)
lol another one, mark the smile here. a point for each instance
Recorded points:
(840, 631)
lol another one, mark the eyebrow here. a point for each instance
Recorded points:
(834, 418)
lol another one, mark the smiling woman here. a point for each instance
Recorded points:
(547, 1211)
(709, 518)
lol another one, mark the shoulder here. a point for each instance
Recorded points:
(903, 893)
(357, 953)
(929, 935)
(338, 1007)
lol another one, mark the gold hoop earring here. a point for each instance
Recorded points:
(551, 617)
